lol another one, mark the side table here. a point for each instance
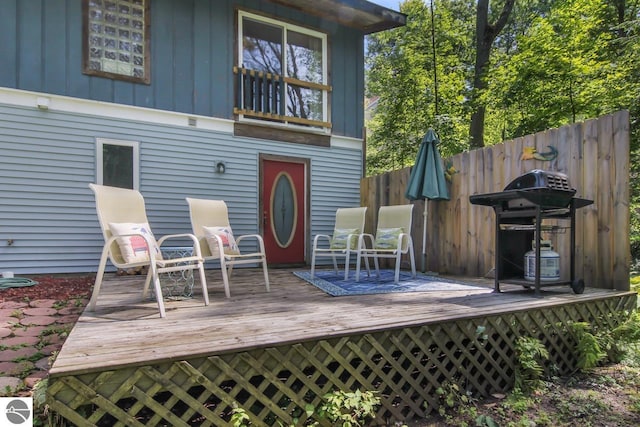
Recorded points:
(177, 284)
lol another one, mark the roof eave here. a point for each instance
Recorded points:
(360, 14)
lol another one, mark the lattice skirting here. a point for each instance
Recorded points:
(274, 384)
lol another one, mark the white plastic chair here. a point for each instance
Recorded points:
(210, 214)
(124, 208)
(349, 225)
(392, 240)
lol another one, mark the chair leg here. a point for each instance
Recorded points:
(396, 278)
(203, 282)
(377, 266)
(413, 261)
(225, 277)
(346, 265)
(266, 273)
(359, 257)
(335, 264)
(158, 289)
(147, 282)
(99, 277)
(313, 263)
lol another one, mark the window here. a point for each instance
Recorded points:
(282, 73)
(117, 163)
(116, 39)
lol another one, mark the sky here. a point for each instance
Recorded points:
(391, 4)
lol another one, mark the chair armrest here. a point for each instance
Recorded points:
(401, 239)
(252, 236)
(196, 244)
(317, 239)
(363, 239)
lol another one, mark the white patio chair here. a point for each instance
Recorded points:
(129, 242)
(349, 225)
(392, 240)
(210, 224)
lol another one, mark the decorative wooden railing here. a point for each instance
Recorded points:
(261, 95)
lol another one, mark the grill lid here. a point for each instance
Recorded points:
(549, 190)
(538, 178)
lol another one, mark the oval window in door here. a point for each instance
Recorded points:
(283, 209)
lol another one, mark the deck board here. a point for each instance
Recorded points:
(125, 331)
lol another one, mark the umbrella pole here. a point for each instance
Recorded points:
(424, 237)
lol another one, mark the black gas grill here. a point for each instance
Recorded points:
(520, 210)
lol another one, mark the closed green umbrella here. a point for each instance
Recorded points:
(427, 180)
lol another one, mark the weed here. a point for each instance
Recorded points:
(345, 409)
(485, 421)
(239, 417)
(349, 408)
(455, 403)
(589, 351)
(56, 330)
(582, 405)
(32, 358)
(531, 353)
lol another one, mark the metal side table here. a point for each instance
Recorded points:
(177, 284)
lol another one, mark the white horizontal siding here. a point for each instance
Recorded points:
(47, 160)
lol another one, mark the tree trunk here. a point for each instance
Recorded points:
(486, 33)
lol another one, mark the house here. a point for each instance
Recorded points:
(259, 103)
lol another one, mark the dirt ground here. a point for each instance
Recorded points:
(607, 396)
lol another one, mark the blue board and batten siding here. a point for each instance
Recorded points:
(48, 159)
(48, 222)
(192, 57)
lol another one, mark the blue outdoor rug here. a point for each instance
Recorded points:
(335, 285)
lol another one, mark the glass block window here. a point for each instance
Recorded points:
(116, 39)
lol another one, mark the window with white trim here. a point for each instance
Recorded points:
(281, 73)
(116, 39)
(117, 163)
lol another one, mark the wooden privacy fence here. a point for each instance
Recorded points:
(460, 236)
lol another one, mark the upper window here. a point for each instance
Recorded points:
(117, 163)
(282, 73)
(116, 39)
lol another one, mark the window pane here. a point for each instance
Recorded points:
(117, 166)
(304, 57)
(304, 102)
(261, 46)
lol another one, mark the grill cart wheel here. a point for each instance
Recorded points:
(578, 286)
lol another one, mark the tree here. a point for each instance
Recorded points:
(400, 73)
(486, 33)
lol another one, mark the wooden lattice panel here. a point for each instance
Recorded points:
(405, 366)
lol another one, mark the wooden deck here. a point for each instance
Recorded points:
(125, 333)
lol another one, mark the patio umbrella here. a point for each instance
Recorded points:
(427, 180)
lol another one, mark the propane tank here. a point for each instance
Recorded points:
(549, 263)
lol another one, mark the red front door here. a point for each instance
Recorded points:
(284, 209)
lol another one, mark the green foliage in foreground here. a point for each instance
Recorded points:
(343, 409)
(533, 383)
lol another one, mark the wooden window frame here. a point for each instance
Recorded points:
(86, 69)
